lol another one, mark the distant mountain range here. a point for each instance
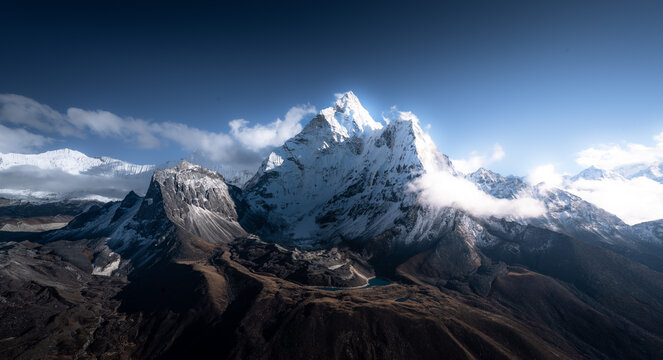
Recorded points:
(67, 174)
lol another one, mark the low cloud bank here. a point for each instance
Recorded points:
(610, 156)
(632, 200)
(442, 189)
(31, 181)
(546, 175)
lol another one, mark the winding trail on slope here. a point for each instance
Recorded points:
(367, 283)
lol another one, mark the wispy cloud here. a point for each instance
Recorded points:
(217, 146)
(27, 113)
(20, 140)
(476, 161)
(614, 156)
(28, 125)
(107, 124)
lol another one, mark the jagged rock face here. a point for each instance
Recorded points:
(574, 216)
(186, 209)
(651, 231)
(195, 199)
(497, 185)
(344, 176)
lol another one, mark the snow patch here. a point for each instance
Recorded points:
(273, 161)
(108, 269)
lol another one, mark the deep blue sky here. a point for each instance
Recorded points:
(545, 79)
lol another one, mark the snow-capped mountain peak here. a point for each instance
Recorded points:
(194, 198)
(348, 116)
(594, 173)
(344, 174)
(67, 160)
(415, 143)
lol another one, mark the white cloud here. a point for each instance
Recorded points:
(613, 156)
(475, 161)
(216, 146)
(242, 144)
(107, 124)
(273, 134)
(545, 174)
(442, 189)
(632, 200)
(21, 111)
(20, 140)
(26, 112)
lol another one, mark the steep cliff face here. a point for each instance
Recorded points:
(196, 199)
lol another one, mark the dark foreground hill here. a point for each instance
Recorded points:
(195, 284)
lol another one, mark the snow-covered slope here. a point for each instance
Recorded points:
(650, 231)
(197, 200)
(73, 162)
(571, 215)
(497, 185)
(594, 173)
(69, 174)
(344, 176)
